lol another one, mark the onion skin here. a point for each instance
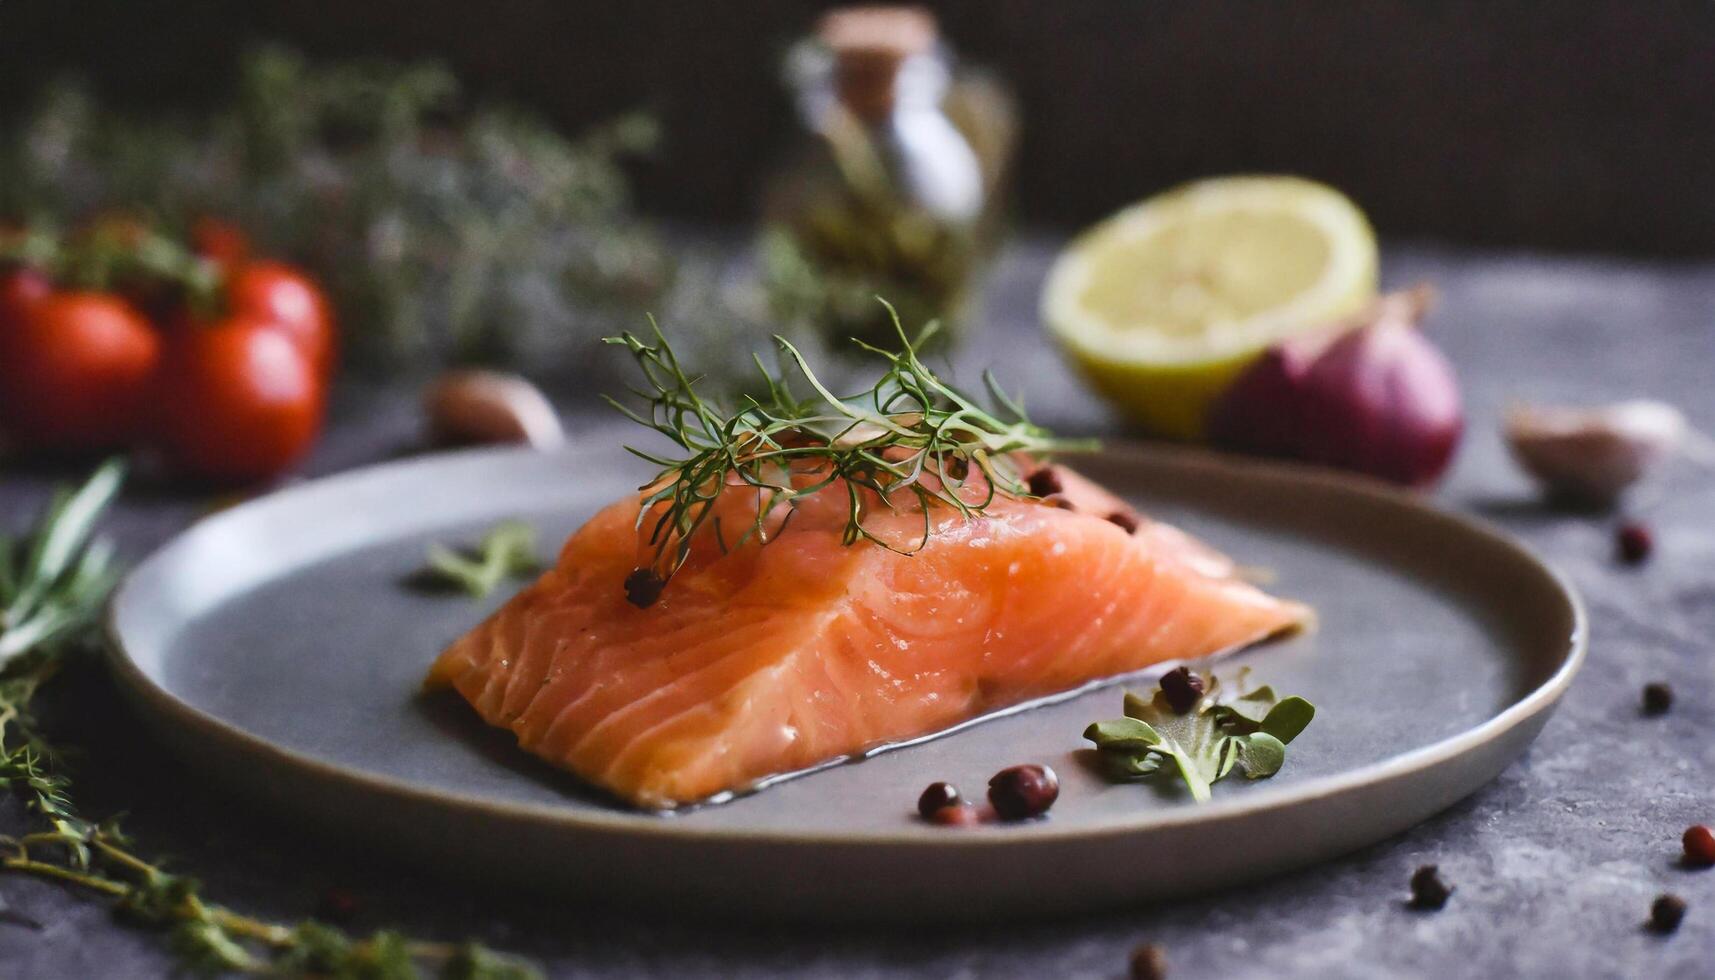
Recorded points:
(1374, 396)
(1589, 456)
(1261, 411)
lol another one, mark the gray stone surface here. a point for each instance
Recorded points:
(1555, 863)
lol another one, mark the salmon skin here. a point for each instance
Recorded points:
(763, 659)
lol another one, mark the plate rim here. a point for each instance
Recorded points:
(164, 704)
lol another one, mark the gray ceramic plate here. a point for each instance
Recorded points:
(275, 645)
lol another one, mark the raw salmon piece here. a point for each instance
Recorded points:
(759, 660)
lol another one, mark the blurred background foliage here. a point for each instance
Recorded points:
(1463, 120)
(446, 231)
(474, 183)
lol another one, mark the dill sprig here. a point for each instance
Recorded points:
(54, 580)
(911, 442)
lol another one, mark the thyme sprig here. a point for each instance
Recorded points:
(910, 442)
(54, 581)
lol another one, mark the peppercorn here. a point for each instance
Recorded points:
(956, 467)
(1633, 542)
(1658, 697)
(1058, 500)
(1149, 962)
(1699, 845)
(957, 815)
(1044, 482)
(643, 586)
(1183, 689)
(1666, 912)
(1125, 519)
(1022, 792)
(937, 796)
(1428, 891)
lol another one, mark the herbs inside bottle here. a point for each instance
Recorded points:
(884, 195)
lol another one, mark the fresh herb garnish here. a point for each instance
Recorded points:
(54, 580)
(1204, 743)
(506, 551)
(910, 441)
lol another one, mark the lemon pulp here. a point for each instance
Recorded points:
(1163, 303)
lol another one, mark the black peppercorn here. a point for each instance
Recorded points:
(1666, 912)
(1633, 543)
(938, 796)
(1183, 689)
(1022, 792)
(1044, 482)
(643, 586)
(1658, 697)
(1125, 519)
(1428, 891)
(1149, 962)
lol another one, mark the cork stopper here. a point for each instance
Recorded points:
(869, 44)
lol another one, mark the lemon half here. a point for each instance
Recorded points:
(1163, 303)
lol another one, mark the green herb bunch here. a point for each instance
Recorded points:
(444, 231)
(910, 441)
(1206, 741)
(54, 580)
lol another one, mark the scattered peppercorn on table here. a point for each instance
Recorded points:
(1556, 868)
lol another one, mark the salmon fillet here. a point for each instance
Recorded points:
(760, 660)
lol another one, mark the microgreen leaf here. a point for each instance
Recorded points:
(1248, 732)
(1123, 733)
(1260, 754)
(506, 551)
(1286, 719)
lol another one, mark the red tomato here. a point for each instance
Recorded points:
(239, 401)
(282, 295)
(21, 289)
(75, 372)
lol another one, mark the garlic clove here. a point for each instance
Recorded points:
(1593, 454)
(468, 407)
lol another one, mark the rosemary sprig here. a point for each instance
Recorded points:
(53, 582)
(910, 441)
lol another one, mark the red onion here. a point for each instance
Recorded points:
(1374, 396)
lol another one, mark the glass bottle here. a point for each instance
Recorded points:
(884, 195)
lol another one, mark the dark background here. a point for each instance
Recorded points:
(1579, 124)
